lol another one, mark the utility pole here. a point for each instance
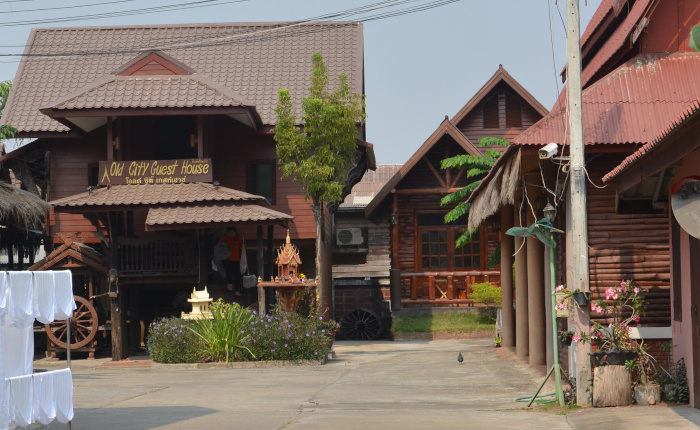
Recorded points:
(579, 221)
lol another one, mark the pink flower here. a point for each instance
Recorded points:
(636, 318)
(592, 329)
(559, 288)
(636, 290)
(576, 338)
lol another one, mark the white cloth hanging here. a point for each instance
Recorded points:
(63, 393)
(65, 303)
(4, 294)
(17, 349)
(44, 398)
(21, 303)
(21, 400)
(44, 303)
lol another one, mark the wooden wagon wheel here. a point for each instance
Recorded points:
(83, 326)
(360, 324)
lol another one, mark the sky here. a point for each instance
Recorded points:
(419, 66)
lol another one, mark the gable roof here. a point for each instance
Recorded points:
(501, 75)
(446, 128)
(371, 183)
(251, 60)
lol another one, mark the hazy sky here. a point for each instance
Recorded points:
(419, 67)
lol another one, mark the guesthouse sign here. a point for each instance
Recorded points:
(155, 171)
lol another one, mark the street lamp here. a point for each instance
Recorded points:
(550, 212)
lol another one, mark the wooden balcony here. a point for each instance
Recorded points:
(443, 288)
(158, 258)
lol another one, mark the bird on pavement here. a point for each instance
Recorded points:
(460, 359)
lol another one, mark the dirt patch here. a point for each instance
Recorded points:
(443, 335)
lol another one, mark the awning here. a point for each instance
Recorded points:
(178, 206)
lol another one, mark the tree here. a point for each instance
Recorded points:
(6, 131)
(317, 154)
(477, 166)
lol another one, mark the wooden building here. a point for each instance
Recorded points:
(432, 271)
(156, 138)
(637, 77)
(675, 154)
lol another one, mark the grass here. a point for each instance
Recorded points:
(447, 322)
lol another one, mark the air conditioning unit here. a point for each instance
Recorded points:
(349, 236)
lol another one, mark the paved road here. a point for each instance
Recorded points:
(388, 385)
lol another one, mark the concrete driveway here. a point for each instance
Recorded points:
(368, 385)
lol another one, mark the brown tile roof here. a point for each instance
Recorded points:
(689, 113)
(372, 181)
(174, 217)
(252, 60)
(150, 92)
(140, 195)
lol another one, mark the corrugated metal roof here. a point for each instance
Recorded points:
(228, 212)
(688, 113)
(633, 104)
(253, 60)
(600, 14)
(130, 195)
(372, 182)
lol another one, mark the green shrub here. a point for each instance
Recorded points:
(289, 336)
(226, 333)
(486, 293)
(171, 341)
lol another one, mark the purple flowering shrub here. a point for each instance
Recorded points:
(289, 336)
(171, 341)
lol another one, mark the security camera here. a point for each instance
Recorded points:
(548, 151)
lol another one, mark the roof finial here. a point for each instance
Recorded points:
(288, 240)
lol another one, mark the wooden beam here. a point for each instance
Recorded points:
(415, 191)
(435, 172)
(458, 177)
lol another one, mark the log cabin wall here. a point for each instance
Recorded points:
(371, 259)
(627, 246)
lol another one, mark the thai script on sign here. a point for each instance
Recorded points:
(155, 171)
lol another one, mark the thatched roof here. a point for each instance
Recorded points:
(499, 191)
(21, 209)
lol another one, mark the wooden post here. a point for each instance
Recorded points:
(612, 386)
(507, 312)
(535, 296)
(395, 263)
(261, 270)
(579, 228)
(115, 304)
(522, 342)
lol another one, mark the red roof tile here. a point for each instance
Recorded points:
(690, 112)
(252, 60)
(137, 195)
(220, 213)
(633, 104)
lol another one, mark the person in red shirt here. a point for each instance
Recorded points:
(232, 265)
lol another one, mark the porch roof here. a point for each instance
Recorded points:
(212, 216)
(123, 197)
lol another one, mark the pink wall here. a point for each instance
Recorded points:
(682, 330)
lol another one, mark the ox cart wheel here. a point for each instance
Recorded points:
(360, 324)
(83, 326)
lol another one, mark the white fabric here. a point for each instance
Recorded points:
(44, 303)
(4, 294)
(17, 349)
(63, 393)
(65, 303)
(5, 416)
(44, 398)
(21, 292)
(21, 402)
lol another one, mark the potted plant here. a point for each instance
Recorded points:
(673, 379)
(646, 390)
(565, 299)
(566, 337)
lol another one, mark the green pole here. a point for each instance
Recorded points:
(555, 343)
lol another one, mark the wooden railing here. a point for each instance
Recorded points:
(443, 287)
(157, 255)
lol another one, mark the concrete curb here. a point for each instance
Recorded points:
(237, 365)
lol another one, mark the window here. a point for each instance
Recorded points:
(437, 244)
(513, 112)
(261, 179)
